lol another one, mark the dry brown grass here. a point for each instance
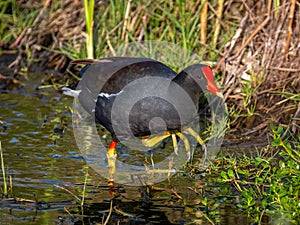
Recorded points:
(264, 54)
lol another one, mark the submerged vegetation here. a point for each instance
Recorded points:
(255, 53)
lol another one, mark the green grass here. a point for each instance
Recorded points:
(14, 19)
(266, 183)
(119, 23)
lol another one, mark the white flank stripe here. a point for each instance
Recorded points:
(106, 95)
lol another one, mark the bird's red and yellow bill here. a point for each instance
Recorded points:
(211, 85)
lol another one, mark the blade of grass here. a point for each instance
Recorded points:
(3, 171)
(89, 21)
(84, 188)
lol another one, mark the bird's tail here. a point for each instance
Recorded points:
(71, 92)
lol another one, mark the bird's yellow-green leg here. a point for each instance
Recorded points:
(199, 139)
(175, 144)
(150, 142)
(151, 158)
(186, 144)
(111, 159)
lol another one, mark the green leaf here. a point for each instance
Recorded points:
(242, 171)
(281, 164)
(230, 173)
(264, 203)
(272, 127)
(279, 130)
(224, 175)
(204, 201)
(55, 120)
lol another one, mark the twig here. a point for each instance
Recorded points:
(19, 38)
(71, 193)
(26, 31)
(126, 19)
(115, 28)
(119, 211)
(261, 26)
(110, 211)
(203, 22)
(274, 47)
(257, 128)
(176, 193)
(297, 115)
(70, 214)
(209, 220)
(234, 40)
(284, 69)
(290, 29)
(110, 45)
(238, 32)
(217, 14)
(218, 24)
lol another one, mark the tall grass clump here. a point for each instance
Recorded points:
(14, 22)
(177, 22)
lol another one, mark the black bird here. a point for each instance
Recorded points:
(139, 97)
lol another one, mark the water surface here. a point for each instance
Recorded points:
(48, 174)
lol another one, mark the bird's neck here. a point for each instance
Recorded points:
(188, 84)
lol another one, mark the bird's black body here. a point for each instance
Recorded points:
(137, 97)
(105, 81)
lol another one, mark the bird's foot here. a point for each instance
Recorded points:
(152, 141)
(199, 140)
(186, 144)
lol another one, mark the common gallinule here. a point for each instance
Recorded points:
(109, 82)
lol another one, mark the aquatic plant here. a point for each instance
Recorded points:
(3, 171)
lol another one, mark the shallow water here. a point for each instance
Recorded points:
(48, 175)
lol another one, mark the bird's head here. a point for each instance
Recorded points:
(195, 76)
